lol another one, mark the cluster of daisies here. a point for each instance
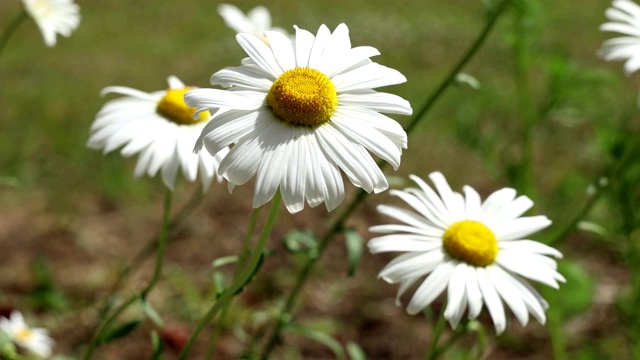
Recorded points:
(299, 113)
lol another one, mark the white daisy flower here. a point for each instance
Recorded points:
(35, 340)
(477, 250)
(625, 19)
(256, 22)
(54, 17)
(159, 126)
(300, 111)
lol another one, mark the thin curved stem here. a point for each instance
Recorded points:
(338, 224)
(243, 256)
(162, 243)
(613, 170)
(152, 244)
(522, 51)
(11, 29)
(433, 351)
(164, 234)
(242, 280)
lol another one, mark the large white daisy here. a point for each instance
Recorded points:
(54, 17)
(256, 21)
(159, 126)
(477, 250)
(35, 340)
(300, 111)
(625, 19)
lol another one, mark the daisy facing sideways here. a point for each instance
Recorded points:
(35, 340)
(624, 16)
(476, 250)
(54, 17)
(256, 21)
(299, 112)
(161, 128)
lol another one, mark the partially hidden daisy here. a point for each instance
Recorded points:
(478, 251)
(256, 21)
(624, 16)
(54, 17)
(35, 340)
(299, 112)
(161, 128)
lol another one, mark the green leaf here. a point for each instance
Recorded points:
(320, 337)
(121, 331)
(152, 313)
(297, 241)
(158, 346)
(224, 261)
(46, 293)
(353, 242)
(355, 352)
(219, 282)
(579, 285)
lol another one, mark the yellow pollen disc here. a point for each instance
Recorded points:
(23, 334)
(472, 242)
(173, 108)
(303, 96)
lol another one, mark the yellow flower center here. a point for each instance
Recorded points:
(23, 334)
(303, 96)
(173, 108)
(472, 242)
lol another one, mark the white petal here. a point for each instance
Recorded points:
(317, 48)
(474, 295)
(370, 138)
(411, 265)
(215, 98)
(492, 300)
(247, 77)
(260, 52)
(430, 288)
(175, 83)
(282, 50)
(497, 201)
(369, 76)
(403, 242)
(508, 293)
(376, 101)
(303, 45)
(530, 246)
(518, 228)
(353, 159)
(456, 295)
(472, 205)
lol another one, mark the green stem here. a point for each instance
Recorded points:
(8, 32)
(462, 329)
(162, 243)
(164, 234)
(522, 48)
(556, 334)
(152, 245)
(242, 280)
(611, 173)
(435, 338)
(338, 224)
(450, 79)
(243, 255)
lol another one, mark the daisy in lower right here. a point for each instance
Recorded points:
(478, 251)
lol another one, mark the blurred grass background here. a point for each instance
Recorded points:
(69, 216)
